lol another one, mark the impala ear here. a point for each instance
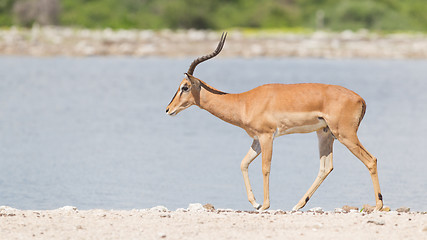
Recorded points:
(193, 80)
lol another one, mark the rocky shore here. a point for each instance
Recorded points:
(206, 222)
(55, 41)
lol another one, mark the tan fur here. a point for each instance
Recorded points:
(272, 110)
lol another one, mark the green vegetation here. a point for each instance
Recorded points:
(382, 15)
(6, 16)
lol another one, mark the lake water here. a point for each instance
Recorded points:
(93, 133)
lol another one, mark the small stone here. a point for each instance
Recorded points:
(368, 208)
(347, 208)
(380, 222)
(181, 210)
(338, 210)
(316, 210)
(209, 207)
(279, 212)
(224, 210)
(403, 209)
(68, 209)
(162, 235)
(385, 209)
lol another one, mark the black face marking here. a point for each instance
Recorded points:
(184, 88)
(306, 200)
(380, 197)
(173, 97)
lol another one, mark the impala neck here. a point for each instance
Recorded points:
(222, 105)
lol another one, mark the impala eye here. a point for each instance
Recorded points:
(184, 88)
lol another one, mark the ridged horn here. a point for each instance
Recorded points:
(209, 56)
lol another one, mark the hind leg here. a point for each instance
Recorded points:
(326, 141)
(351, 141)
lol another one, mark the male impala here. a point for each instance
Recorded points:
(272, 110)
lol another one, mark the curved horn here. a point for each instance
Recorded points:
(209, 56)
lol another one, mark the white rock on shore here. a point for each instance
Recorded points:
(7, 209)
(67, 209)
(196, 207)
(159, 209)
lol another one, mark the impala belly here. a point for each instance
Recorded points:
(299, 123)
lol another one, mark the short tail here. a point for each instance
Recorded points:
(362, 114)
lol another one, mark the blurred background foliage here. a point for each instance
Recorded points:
(336, 15)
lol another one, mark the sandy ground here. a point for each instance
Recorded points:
(198, 223)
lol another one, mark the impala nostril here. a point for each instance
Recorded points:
(167, 110)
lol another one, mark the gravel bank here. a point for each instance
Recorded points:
(54, 41)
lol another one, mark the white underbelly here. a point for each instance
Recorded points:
(293, 125)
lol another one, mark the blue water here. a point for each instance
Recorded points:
(93, 133)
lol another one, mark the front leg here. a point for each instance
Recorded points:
(266, 142)
(253, 152)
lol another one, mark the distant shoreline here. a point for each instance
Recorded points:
(57, 41)
(197, 223)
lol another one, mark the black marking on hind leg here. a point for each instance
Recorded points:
(380, 197)
(326, 129)
(306, 200)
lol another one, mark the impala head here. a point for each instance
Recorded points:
(188, 92)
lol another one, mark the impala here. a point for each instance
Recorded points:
(272, 110)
